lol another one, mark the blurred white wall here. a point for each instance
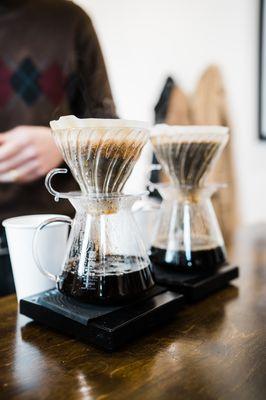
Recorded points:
(145, 40)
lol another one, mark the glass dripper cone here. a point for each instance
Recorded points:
(187, 153)
(100, 153)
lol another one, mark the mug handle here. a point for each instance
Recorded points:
(35, 252)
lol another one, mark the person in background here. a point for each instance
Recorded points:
(51, 64)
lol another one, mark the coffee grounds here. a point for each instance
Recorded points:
(101, 163)
(186, 162)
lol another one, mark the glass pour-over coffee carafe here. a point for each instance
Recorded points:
(188, 238)
(106, 260)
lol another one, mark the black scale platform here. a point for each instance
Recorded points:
(111, 327)
(104, 326)
(194, 286)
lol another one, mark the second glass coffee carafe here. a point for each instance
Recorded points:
(188, 238)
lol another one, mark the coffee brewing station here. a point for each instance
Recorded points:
(106, 260)
(110, 289)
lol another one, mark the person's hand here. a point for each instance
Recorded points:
(27, 153)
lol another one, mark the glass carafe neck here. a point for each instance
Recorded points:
(102, 204)
(190, 194)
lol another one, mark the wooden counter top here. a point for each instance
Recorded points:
(215, 349)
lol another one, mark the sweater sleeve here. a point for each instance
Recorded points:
(94, 88)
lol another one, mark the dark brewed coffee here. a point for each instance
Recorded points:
(201, 261)
(108, 287)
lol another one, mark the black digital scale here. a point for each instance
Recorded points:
(110, 327)
(194, 286)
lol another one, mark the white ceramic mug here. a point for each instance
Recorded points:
(52, 249)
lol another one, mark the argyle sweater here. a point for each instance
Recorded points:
(50, 65)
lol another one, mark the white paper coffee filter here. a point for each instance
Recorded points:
(70, 122)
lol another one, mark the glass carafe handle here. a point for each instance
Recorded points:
(48, 182)
(35, 252)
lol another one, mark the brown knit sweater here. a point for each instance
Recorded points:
(50, 65)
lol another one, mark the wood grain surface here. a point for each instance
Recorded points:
(215, 349)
